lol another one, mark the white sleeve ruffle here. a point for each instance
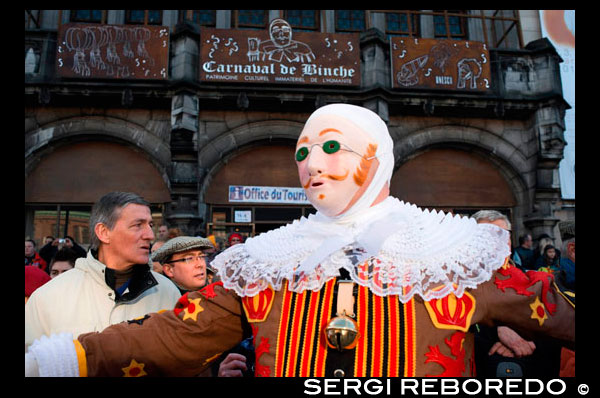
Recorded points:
(55, 356)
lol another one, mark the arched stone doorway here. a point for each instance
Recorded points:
(452, 179)
(67, 179)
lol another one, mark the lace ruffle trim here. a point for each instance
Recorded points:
(389, 273)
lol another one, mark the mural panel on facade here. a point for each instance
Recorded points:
(279, 55)
(112, 51)
(440, 64)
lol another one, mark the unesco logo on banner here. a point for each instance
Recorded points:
(254, 194)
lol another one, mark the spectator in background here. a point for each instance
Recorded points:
(548, 262)
(214, 242)
(184, 261)
(565, 279)
(71, 244)
(63, 261)
(112, 284)
(34, 278)
(211, 254)
(49, 250)
(174, 232)
(163, 233)
(543, 241)
(502, 352)
(32, 257)
(221, 243)
(156, 266)
(567, 260)
(526, 254)
(234, 239)
(48, 239)
(493, 346)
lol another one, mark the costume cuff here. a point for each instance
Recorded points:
(56, 356)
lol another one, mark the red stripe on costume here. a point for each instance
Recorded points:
(296, 329)
(377, 343)
(282, 333)
(325, 316)
(363, 324)
(393, 347)
(409, 343)
(307, 352)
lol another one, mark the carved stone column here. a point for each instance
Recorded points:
(549, 128)
(182, 212)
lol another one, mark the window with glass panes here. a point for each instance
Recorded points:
(33, 19)
(496, 28)
(350, 20)
(202, 17)
(449, 25)
(145, 17)
(251, 19)
(306, 20)
(89, 16)
(402, 24)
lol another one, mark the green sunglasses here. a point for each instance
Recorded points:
(329, 147)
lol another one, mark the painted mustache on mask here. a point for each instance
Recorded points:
(329, 176)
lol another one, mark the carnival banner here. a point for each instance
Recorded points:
(279, 56)
(440, 64)
(112, 51)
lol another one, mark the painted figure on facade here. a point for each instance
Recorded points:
(281, 46)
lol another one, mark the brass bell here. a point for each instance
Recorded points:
(342, 333)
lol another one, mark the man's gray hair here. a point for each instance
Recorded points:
(107, 211)
(491, 215)
(565, 244)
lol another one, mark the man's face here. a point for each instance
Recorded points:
(571, 251)
(59, 267)
(281, 34)
(191, 274)
(528, 242)
(335, 162)
(129, 240)
(163, 232)
(29, 249)
(157, 266)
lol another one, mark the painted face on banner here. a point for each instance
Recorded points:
(281, 33)
(336, 162)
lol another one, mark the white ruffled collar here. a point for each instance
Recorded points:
(394, 248)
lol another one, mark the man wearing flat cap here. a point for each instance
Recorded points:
(184, 261)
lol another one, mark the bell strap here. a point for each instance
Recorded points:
(345, 298)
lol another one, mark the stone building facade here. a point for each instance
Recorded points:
(181, 142)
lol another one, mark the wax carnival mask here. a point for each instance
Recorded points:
(336, 162)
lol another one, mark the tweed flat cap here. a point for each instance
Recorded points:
(180, 244)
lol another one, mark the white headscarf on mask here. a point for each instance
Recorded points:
(409, 251)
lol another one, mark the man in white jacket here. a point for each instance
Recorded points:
(114, 283)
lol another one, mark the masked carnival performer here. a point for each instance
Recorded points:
(369, 286)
